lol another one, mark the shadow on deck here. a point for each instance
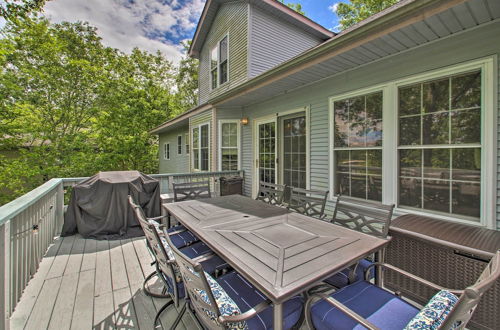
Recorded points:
(89, 284)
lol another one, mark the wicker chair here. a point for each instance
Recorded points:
(308, 202)
(271, 193)
(369, 217)
(218, 303)
(363, 304)
(164, 263)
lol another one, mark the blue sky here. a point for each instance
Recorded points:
(157, 24)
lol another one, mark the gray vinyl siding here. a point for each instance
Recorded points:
(273, 41)
(202, 118)
(177, 163)
(231, 19)
(470, 45)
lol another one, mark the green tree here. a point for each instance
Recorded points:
(358, 10)
(73, 107)
(187, 81)
(295, 6)
(12, 9)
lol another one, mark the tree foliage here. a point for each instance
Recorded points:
(358, 10)
(295, 6)
(72, 107)
(13, 9)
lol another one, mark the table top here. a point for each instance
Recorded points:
(280, 252)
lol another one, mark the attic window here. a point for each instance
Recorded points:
(219, 63)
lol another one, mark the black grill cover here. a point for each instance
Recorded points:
(99, 205)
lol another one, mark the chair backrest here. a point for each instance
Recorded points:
(365, 216)
(308, 202)
(469, 299)
(271, 193)
(198, 289)
(163, 261)
(191, 190)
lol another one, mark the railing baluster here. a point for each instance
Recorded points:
(5, 280)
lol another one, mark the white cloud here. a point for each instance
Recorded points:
(334, 7)
(125, 24)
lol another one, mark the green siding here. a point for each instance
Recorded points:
(231, 19)
(470, 45)
(177, 163)
(204, 117)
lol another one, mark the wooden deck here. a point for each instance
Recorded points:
(89, 284)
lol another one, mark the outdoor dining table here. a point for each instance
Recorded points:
(280, 252)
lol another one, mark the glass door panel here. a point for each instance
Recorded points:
(267, 152)
(294, 151)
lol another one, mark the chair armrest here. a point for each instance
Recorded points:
(157, 218)
(245, 316)
(411, 276)
(346, 310)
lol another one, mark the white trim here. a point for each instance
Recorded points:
(274, 118)
(390, 163)
(219, 140)
(280, 115)
(198, 127)
(331, 143)
(255, 169)
(217, 47)
(166, 151)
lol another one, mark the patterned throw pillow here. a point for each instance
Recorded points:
(434, 313)
(227, 306)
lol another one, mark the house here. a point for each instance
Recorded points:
(401, 108)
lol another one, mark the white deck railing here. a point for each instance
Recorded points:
(29, 224)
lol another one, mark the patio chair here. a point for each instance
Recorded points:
(182, 192)
(165, 269)
(308, 202)
(229, 302)
(271, 193)
(363, 304)
(191, 190)
(369, 217)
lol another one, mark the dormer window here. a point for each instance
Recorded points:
(218, 63)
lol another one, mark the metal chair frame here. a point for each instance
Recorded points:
(271, 193)
(194, 281)
(368, 217)
(165, 267)
(191, 190)
(308, 202)
(468, 299)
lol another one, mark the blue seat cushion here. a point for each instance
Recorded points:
(246, 296)
(341, 279)
(181, 239)
(377, 305)
(210, 265)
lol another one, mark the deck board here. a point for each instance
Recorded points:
(89, 284)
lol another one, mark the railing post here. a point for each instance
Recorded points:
(59, 208)
(5, 275)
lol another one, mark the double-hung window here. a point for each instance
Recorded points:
(179, 144)
(166, 151)
(434, 134)
(186, 140)
(229, 145)
(219, 63)
(440, 144)
(358, 146)
(200, 138)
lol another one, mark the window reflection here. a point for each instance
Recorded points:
(436, 117)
